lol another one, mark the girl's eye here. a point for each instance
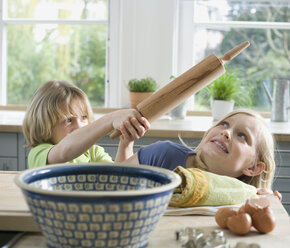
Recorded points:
(243, 136)
(84, 118)
(224, 124)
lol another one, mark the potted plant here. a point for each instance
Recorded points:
(223, 92)
(140, 89)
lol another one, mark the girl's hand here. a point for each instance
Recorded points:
(133, 129)
(263, 191)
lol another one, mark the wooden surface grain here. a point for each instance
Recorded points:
(12, 202)
(164, 234)
(14, 212)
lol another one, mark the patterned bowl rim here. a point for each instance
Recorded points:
(172, 176)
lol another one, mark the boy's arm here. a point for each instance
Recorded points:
(80, 140)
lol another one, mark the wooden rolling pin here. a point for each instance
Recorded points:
(191, 81)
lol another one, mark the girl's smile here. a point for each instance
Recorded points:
(220, 144)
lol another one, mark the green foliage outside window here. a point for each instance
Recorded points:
(266, 59)
(41, 52)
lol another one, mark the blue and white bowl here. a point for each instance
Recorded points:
(97, 205)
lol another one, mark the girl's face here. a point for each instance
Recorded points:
(70, 124)
(230, 147)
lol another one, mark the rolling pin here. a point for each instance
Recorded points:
(191, 81)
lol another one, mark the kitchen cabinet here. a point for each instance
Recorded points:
(9, 164)
(12, 151)
(282, 175)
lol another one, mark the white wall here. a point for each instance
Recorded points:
(141, 44)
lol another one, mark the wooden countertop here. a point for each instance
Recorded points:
(190, 127)
(164, 234)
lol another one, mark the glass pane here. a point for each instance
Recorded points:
(266, 59)
(38, 53)
(58, 9)
(242, 10)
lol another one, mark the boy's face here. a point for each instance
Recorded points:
(230, 148)
(70, 124)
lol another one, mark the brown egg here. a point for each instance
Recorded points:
(242, 209)
(264, 220)
(222, 215)
(240, 223)
(254, 204)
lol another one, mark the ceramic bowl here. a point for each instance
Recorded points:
(97, 205)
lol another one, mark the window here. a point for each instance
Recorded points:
(68, 39)
(53, 39)
(216, 26)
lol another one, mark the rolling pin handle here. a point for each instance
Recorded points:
(234, 52)
(116, 133)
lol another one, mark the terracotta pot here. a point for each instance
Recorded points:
(137, 97)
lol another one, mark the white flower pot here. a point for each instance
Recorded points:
(179, 112)
(220, 108)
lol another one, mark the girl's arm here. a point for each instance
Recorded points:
(133, 159)
(80, 140)
(131, 130)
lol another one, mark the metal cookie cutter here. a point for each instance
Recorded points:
(198, 238)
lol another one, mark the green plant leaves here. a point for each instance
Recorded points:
(226, 87)
(147, 84)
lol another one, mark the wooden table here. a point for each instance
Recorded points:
(164, 234)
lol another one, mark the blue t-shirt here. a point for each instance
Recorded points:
(164, 154)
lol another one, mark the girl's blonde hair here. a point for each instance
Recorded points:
(264, 150)
(50, 105)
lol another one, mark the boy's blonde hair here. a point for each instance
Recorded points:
(50, 105)
(264, 150)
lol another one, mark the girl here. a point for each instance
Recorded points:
(240, 146)
(59, 127)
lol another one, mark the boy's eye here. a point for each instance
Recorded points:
(68, 120)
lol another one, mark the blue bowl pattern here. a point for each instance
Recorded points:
(97, 205)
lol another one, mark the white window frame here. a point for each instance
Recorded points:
(186, 35)
(112, 90)
(3, 57)
(4, 21)
(168, 51)
(129, 55)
